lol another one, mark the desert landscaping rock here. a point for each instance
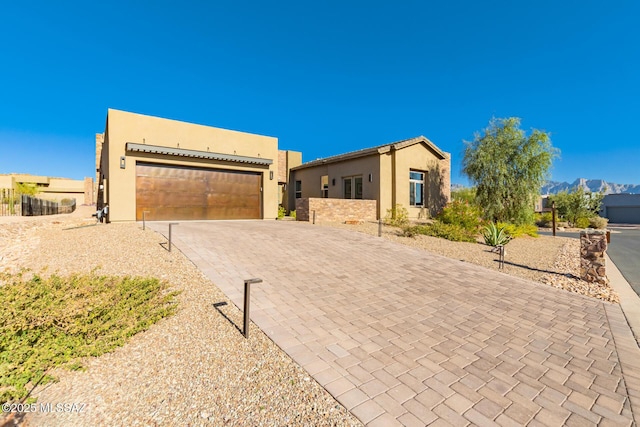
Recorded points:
(551, 260)
(194, 368)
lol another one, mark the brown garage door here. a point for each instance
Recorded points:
(186, 193)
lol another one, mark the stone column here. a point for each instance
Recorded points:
(593, 245)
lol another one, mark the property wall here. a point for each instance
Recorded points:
(419, 157)
(123, 127)
(335, 210)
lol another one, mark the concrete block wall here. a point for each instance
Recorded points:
(335, 210)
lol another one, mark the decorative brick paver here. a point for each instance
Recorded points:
(401, 336)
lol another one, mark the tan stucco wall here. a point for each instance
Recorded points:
(421, 158)
(123, 127)
(312, 177)
(390, 178)
(287, 159)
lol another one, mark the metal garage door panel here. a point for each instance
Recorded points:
(183, 193)
(623, 214)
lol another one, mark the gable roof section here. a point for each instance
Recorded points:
(380, 149)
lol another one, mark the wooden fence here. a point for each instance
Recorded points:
(9, 202)
(32, 206)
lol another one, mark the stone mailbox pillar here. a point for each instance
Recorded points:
(593, 245)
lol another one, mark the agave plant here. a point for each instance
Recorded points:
(494, 236)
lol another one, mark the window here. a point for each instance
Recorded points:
(416, 188)
(298, 189)
(324, 182)
(352, 187)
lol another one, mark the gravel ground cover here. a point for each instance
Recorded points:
(194, 368)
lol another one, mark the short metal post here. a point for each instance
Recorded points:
(501, 252)
(144, 225)
(171, 224)
(379, 227)
(553, 217)
(247, 297)
(314, 216)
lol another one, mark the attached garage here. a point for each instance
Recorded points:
(179, 171)
(621, 208)
(623, 214)
(172, 192)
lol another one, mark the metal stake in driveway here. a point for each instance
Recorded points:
(170, 224)
(247, 295)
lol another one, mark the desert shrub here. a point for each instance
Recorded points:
(544, 220)
(495, 235)
(56, 321)
(281, 211)
(582, 222)
(292, 214)
(439, 229)
(462, 214)
(464, 195)
(397, 216)
(519, 230)
(598, 222)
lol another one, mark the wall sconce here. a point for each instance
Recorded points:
(271, 175)
(370, 177)
(122, 162)
(333, 182)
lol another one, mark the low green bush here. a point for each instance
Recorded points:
(598, 222)
(462, 214)
(495, 235)
(582, 222)
(56, 321)
(292, 214)
(439, 229)
(544, 220)
(398, 216)
(281, 212)
(519, 230)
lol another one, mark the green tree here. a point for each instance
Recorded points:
(577, 204)
(26, 188)
(508, 168)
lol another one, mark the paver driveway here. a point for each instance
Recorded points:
(403, 337)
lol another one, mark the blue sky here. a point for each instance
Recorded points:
(324, 77)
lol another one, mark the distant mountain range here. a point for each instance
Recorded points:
(591, 185)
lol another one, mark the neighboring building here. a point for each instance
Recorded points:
(414, 173)
(621, 208)
(54, 189)
(541, 204)
(182, 171)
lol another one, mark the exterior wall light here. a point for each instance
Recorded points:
(271, 175)
(122, 162)
(370, 177)
(333, 182)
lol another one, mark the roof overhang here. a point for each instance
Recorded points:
(196, 154)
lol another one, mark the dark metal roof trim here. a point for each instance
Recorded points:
(380, 149)
(196, 154)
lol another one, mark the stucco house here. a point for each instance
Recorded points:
(173, 170)
(414, 173)
(51, 188)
